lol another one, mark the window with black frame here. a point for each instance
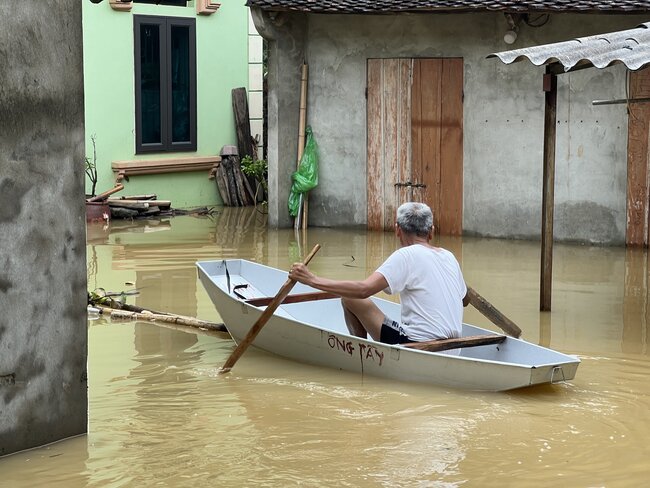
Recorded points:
(165, 83)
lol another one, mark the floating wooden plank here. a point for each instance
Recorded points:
(140, 206)
(136, 203)
(160, 203)
(445, 344)
(151, 196)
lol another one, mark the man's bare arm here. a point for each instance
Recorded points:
(374, 283)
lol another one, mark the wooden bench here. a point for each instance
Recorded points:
(124, 169)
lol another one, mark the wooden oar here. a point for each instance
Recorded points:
(297, 298)
(266, 315)
(496, 317)
(480, 303)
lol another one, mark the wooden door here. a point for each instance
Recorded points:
(415, 139)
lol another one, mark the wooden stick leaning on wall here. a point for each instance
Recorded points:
(301, 218)
(245, 141)
(264, 318)
(106, 194)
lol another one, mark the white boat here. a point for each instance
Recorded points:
(314, 332)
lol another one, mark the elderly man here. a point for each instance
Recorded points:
(428, 279)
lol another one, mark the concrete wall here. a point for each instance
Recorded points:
(43, 327)
(286, 55)
(503, 121)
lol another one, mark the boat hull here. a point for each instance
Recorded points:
(315, 333)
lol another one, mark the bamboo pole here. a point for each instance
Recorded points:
(157, 317)
(302, 208)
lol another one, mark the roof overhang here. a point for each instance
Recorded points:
(629, 47)
(452, 6)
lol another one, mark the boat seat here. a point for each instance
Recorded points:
(445, 344)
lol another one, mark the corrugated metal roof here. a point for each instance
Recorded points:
(395, 6)
(630, 47)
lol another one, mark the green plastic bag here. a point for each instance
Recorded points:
(306, 178)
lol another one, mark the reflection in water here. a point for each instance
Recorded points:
(160, 414)
(635, 303)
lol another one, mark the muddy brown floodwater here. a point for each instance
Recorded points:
(160, 416)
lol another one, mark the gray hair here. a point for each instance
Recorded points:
(415, 218)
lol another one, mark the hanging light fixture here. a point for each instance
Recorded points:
(513, 28)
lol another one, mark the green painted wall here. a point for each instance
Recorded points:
(222, 64)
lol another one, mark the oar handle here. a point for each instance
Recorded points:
(489, 311)
(263, 319)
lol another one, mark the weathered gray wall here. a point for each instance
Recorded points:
(503, 122)
(286, 54)
(43, 327)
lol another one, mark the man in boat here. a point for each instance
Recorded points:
(428, 279)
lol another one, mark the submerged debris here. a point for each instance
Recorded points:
(104, 303)
(140, 206)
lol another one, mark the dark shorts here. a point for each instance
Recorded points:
(392, 332)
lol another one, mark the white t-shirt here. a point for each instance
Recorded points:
(431, 288)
